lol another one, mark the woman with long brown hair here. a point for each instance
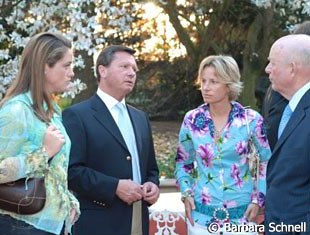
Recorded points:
(33, 141)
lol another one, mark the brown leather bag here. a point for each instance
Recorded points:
(23, 197)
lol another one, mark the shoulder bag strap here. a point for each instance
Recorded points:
(255, 178)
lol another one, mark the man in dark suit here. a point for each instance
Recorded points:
(112, 166)
(273, 107)
(274, 103)
(288, 170)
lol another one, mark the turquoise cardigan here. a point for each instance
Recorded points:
(21, 155)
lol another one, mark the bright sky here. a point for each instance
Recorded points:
(165, 28)
(154, 12)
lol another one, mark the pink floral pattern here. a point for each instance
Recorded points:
(217, 172)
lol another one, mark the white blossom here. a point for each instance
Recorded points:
(75, 88)
(262, 3)
(17, 39)
(45, 15)
(7, 74)
(306, 9)
(79, 62)
(4, 54)
(84, 30)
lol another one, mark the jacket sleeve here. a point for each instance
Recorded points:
(83, 180)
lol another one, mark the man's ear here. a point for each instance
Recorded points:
(293, 68)
(102, 71)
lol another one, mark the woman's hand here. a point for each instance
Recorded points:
(73, 217)
(189, 206)
(251, 212)
(53, 141)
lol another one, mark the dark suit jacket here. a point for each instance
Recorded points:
(273, 107)
(99, 158)
(288, 171)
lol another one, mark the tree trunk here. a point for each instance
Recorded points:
(87, 76)
(255, 55)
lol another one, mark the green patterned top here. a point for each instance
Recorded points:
(21, 155)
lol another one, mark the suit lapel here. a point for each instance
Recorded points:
(297, 116)
(295, 119)
(104, 117)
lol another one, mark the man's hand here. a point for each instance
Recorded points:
(150, 192)
(129, 191)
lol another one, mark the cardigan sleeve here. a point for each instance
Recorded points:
(260, 141)
(20, 154)
(185, 160)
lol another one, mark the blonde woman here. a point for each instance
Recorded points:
(211, 163)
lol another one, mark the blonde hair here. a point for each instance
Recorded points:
(226, 69)
(42, 49)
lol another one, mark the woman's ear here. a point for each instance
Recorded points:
(46, 69)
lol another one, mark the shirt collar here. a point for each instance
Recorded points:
(298, 95)
(109, 101)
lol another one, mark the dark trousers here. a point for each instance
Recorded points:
(11, 226)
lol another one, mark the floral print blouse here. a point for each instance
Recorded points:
(215, 170)
(21, 155)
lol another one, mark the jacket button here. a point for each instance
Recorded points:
(128, 158)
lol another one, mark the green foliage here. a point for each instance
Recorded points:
(165, 136)
(166, 166)
(165, 90)
(64, 102)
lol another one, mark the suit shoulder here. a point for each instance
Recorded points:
(136, 109)
(81, 106)
(305, 99)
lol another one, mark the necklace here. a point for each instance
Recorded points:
(219, 121)
(218, 134)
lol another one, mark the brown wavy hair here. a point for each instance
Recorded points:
(42, 49)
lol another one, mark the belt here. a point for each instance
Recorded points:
(221, 213)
